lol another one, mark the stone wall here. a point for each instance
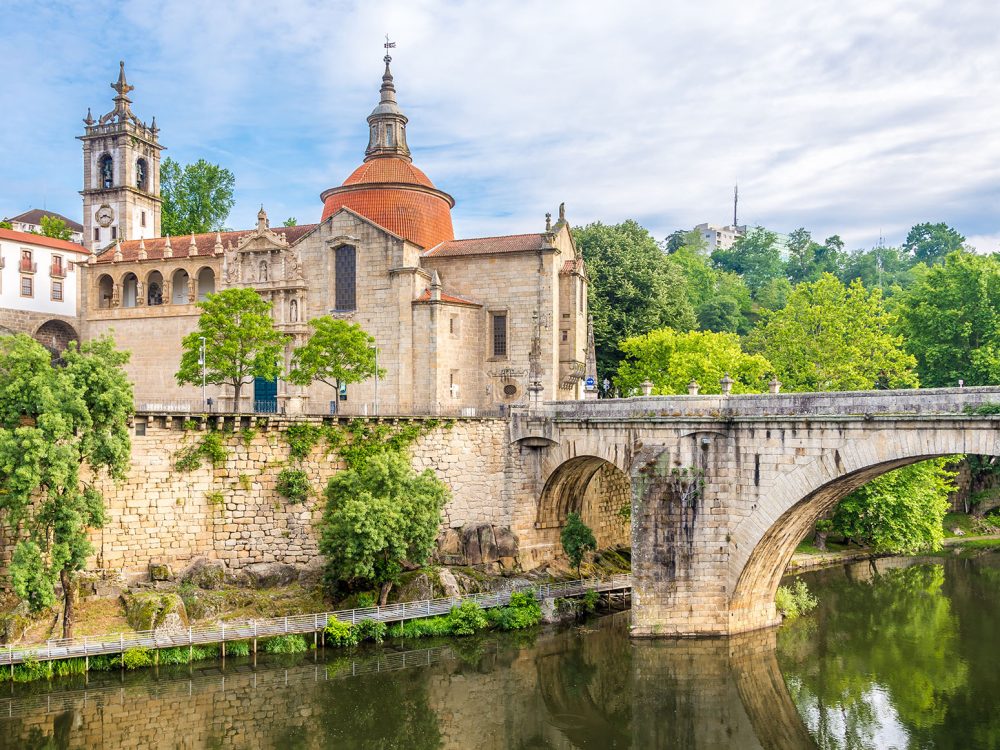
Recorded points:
(606, 505)
(233, 512)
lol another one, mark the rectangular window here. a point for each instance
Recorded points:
(345, 270)
(27, 289)
(142, 218)
(565, 336)
(114, 233)
(97, 234)
(499, 334)
(388, 137)
(57, 266)
(57, 291)
(140, 429)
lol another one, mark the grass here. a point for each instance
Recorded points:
(961, 521)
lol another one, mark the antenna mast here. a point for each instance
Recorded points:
(736, 201)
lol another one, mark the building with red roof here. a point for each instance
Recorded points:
(461, 325)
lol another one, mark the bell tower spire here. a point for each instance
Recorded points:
(387, 123)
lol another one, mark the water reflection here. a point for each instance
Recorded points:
(898, 655)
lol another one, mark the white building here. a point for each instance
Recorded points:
(38, 285)
(720, 238)
(31, 221)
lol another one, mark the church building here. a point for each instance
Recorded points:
(460, 325)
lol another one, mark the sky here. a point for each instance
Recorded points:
(859, 118)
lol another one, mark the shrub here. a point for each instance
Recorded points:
(293, 484)
(209, 447)
(340, 633)
(371, 630)
(792, 601)
(238, 648)
(423, 628)
(136, 657)
(286, 644)
(522, 612)
(589, 601)
(467, 618)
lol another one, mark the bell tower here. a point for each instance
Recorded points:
(121, 173)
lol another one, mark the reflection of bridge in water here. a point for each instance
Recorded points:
(584, 687)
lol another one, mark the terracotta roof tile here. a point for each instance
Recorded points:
(40, 239)
(512, 243)
(34, 216)
(388, 169)
(423, 218)
(453, 299)
(204, 242)
(573, 266)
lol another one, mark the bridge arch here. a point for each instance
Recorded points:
(763, 544)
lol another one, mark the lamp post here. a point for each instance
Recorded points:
(375, 406)
(201, 361)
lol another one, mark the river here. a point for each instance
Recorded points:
(897, 655)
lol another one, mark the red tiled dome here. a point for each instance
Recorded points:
(397, 196)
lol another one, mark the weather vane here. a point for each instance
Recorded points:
(388, 46)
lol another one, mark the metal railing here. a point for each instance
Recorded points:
(196, 406)
(251, 630)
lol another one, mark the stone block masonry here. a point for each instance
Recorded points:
(232, 512)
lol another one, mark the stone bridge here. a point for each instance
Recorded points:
(725, 487)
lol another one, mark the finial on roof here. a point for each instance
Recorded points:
(89, 120)
(142, 249)
(153, 127)
(118, 251)
(192, 246)
(168, 252)
(562, 213)
(262, 222)
(548, 222)
(218, 243)
(435, 286)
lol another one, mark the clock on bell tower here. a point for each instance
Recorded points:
(121, 174)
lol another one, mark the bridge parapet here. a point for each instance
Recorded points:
(929, 401)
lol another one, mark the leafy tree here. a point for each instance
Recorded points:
(56, 228)
(670, 360)
(930, 243)
(337, 352)
(241, 342)
(291, 221)
(577, 539)
(899, 512)
(54, 421)
(634, 287)
(885, 268)
(197, 197)
(829, 337)
(379, 515)
(721, 314)
(950, 321)
(801, 264)
(6, 225)
(754, 256)
(677, 239)
(774, 294)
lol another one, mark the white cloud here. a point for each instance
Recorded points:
(852, 117)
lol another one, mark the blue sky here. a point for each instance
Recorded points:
(855, 117)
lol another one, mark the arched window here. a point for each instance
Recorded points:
(206, 283)
(130, 289)
(141, 175)
(105, 291)
(107, 171)
(179, 286)
(388, 136)
(345, 268)
(262, 276)
(154, 289)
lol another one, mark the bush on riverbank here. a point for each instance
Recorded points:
(792, 601)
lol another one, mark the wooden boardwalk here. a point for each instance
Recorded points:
(250, 630)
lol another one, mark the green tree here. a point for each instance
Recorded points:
(6, 225)
(884, 268)
(900, 512)
(241, 342)
(802, 261)
(291, 221)
(379, 515)
(670, 360)
(754, 256)
(722, 314)
(54, 421)
(930, 243)
(56, 228)
(577, 539)
(337, 352)
(634, 287)
(950, 321)
(829, 337)
(197, 197)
